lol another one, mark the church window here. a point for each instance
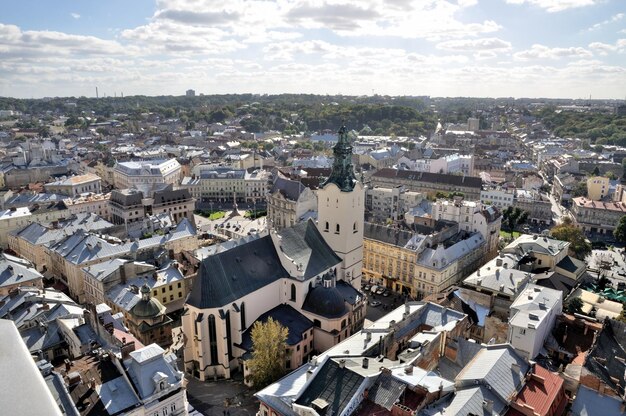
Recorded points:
(243, 315)
(337, 228)
(355, 227)
(326, 226)
(293, 293)
(213, 340)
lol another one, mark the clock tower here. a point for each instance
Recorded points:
(341, 210)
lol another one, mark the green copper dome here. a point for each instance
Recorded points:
(342, 174)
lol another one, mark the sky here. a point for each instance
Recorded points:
(480, 48)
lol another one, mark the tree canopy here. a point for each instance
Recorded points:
(567, 231)
(268, 352)
(620, 231)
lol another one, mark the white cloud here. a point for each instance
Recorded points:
(615, 18)
(545, 52)
(556, 5)
(604, 48)
(75, 15)
(483, 44)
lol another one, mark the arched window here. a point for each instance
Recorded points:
(326, 226)
(293, 293)
(337, 228)
(243, 316)
(355, 227)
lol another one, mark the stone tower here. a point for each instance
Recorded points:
(340, 207)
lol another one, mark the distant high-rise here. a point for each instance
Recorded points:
(190, 93)
(473, 124)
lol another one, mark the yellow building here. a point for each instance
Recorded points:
(418, 265)
(597, 187)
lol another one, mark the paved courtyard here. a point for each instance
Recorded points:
(223, 397)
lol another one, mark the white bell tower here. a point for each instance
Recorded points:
(341, 211)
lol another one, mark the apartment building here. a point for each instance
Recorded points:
(597, 217)
(75, 185)
(498, 197)
(289, 202)
(146, 175)
(90, 203)
(382, 203)
(472, 216)
(428, 183)
(15, 218)
(417, 264)
(222, 184)
(597, 188)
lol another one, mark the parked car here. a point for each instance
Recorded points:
(374, 288)
(380, 290)
(375, 303)
(386, 293)
(366, 288)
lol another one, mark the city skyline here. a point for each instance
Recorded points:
(487, 48)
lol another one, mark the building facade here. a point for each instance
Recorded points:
(146, 175)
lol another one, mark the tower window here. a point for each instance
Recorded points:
(337, 228)
(355, 228)
(326, 226)
(293, 293)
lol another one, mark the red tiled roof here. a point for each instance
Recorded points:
(539, 393)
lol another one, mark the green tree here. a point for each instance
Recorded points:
(512, 217)
(620, 231)
(579, 246)
(575, 305)
(268, 353)
(268, 146)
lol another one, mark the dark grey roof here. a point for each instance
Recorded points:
(589, 402)
(349, 293)
(127, 197)
(56, 384)
(443, 178)
(569, 264)
(325, 301)
(42, 338)
(386, 390)
(305, 245)
(288, 317)
(432, 315)
(230, 275)
(556, 281)
(333, 384)
(290, 189)
(389, 235)
(606, 357)
(168, 195)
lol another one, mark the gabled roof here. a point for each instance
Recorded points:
(288, 317)
(606, 358)
(386, 390)
(334, 385)
(386, 234)
(228, 276)
(591, 403)
(498, 366)
(458, 180)
(539, 393)
(304, 244)
(290, 189)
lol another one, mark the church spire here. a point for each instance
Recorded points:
(342, 174)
